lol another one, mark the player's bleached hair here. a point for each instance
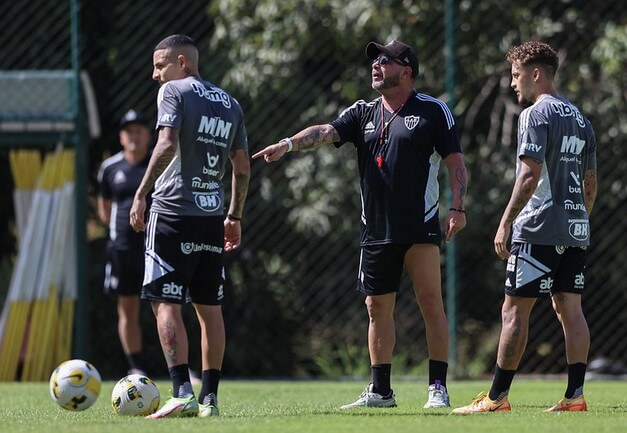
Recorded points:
(175, 41)
(532, 53)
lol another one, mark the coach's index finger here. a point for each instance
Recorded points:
(260, 153)
(272, 153)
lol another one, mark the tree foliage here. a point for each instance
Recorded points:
(305, 59)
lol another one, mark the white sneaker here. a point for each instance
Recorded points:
(438, 397)
(372, 399)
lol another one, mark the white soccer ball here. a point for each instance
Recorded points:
(75, 385)
(135, 395)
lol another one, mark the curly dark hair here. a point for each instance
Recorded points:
(533, 52)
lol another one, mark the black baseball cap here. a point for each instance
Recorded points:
(397, 50)
(133, 116)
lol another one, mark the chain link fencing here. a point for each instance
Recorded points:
(291, 306)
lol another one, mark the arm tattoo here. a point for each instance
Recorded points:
(315, 136)
(520, 196)
(460, 175)
(161, 158)
(239, 182)
(590, 189)
(524, 187)
(239, 194)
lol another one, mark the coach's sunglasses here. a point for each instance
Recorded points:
(384, 60)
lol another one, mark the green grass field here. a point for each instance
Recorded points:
(311, 406)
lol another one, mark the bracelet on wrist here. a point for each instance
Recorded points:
(233, 217)
(456, 209)
(290, 145)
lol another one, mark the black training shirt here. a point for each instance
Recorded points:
(118, 180)
(399, 186)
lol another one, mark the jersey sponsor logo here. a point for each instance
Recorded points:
(208, 202)
(571, 205)
(570, 159)
(167, 118)
(172, 290)
(369, 129)
(559, 249)
(192, 247)
(211, 140)
(564, 110)
(411, 121)
(215, 126)
(578, 229)
(213, 95)
(200, 184)
(532, 147)
(212, 161)
(572, 145)
(575, 189)
(210, 172)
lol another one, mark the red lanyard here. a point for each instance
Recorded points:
(383, 137)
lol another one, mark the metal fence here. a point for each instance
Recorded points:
(291, 307)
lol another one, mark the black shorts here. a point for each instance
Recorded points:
(124, 271)
(183, 259)
(539, 271)
(381, 268)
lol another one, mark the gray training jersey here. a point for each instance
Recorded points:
(210, 124)
(554, 131)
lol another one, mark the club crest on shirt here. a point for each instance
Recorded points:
(411, 121)
(119, 177)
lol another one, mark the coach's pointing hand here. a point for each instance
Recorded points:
(274, 152)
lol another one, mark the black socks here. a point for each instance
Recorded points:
(437, 372)
(501, 383)
(576, 376)
(181, 384)
(381, 378)
(210, 382)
